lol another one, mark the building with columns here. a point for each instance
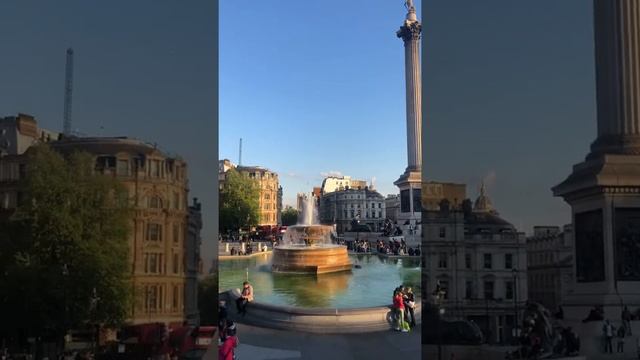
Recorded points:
(480, 261)
(409, 183)
(604, 190)
(549, 265)
(343, 206)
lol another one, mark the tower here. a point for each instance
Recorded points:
(68, 92)
(410, 181)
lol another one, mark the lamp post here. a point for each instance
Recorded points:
(65, 275)
(515, 300)
(93, 306)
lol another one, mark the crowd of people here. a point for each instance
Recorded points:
(403, 309)
(397, 248)
(248, 250)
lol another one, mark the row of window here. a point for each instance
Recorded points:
(154, 297)
(154, 232)
(443, 261)
(488, 290)
(154, 264)
(156, 202)
(368, 215)
(155, 168)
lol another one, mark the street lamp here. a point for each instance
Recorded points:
(515, 300)
(93, 304)
(65, 275)
(439, 296)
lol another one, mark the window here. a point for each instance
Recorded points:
(442, 260)
(176, 201)
(176, 264)
(443, 232)
(488, 290)
(153, 263)
(467, 261)
(123, 168)
(487, 261)
(154, 232)
(176, 297)
(151, 298)
(444, 285)
(22, 171)
(508, 261)
(468, 289)
(176, 233)
(266, 196)
(155, 202)
(508, 290)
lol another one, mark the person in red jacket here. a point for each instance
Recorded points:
(398, 306)
(226, 351)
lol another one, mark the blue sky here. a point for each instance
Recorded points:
(509, 92)
(144, 69)
(314, 88)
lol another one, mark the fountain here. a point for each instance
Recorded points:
(307, 247)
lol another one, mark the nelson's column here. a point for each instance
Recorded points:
(604, 190)
(410, 182)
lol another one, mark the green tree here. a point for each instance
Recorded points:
(65, 249)
(208, 299)
(239, 202)
(289, 216)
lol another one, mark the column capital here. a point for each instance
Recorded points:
(410, 30)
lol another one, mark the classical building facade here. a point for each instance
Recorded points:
(550, 264)
(392, 207)
(337, 183)
(479, 259)
(270, 198)
(193, 263)
(343, 206)
(158, 188)
(434, 192)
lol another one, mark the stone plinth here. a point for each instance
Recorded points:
(319, 259)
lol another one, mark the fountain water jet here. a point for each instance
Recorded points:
(307, 247)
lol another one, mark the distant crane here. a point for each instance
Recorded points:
(240, 153)
(68, 93)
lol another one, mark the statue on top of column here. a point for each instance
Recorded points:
(409, 5)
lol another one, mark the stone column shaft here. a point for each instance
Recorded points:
(410, 34)
(617, 53)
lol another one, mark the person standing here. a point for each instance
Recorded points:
(398, 305)
(626, 320)
(409, 305)
(607, 332)
(245, 297)
(226, 351)
(621, 334)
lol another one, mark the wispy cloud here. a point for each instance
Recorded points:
(490, 179)
(331, 173)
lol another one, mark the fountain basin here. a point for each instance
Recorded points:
(315, 259)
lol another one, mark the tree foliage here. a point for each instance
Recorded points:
(239, 202)
(208, 299)
(289, 216)
(65, 249)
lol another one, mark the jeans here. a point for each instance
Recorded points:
(399, 319)
(241, 304)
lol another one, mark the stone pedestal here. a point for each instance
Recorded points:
(410, 186)
(604, 190)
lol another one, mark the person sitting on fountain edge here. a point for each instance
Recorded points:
(245, 297)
